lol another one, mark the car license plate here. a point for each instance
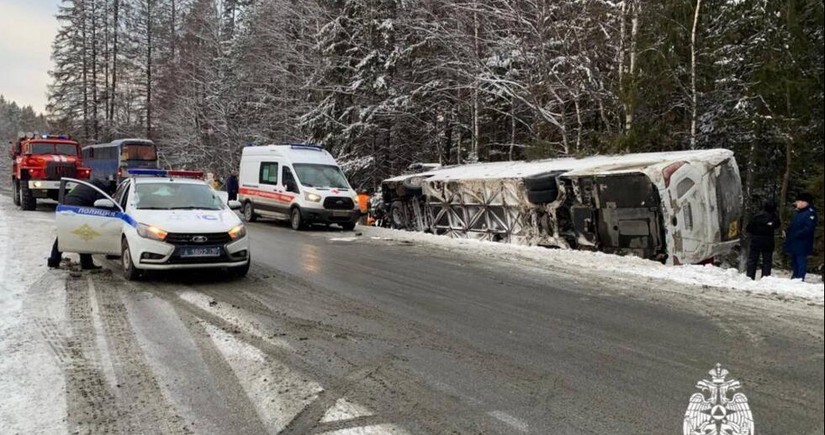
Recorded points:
(214, 251)
(340, 213)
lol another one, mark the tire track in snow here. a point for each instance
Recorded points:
(92, 406)
(149, 410)
(397, 395)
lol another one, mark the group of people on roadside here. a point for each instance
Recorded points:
(230, 185)
(799, 237)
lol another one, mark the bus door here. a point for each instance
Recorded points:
(688, 203)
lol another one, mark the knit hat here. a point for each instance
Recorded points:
(805, 196)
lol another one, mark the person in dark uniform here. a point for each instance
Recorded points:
(83, 196)
(232, 186)
(799, 238)
(761, 229)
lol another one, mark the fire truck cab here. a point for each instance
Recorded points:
(38, 164)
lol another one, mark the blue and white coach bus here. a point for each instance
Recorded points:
(112, 160)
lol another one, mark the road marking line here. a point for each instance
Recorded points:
(514, 422)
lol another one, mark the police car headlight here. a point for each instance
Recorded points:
(150, 232)
(312, 197)
(238, 232)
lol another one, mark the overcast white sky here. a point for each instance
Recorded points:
(27, 28)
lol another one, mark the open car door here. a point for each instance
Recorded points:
(88, 230)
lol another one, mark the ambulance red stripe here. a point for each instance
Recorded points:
(283, 197)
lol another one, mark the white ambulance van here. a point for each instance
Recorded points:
(299, 183)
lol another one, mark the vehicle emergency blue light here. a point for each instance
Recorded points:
(311, 146)
(147, 172)
(55, 136)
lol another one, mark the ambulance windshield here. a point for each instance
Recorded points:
(321, 176)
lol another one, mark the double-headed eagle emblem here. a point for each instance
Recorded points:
(716, 413)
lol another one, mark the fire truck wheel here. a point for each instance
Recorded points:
(15, 187)
(27, 199)
(130, 272)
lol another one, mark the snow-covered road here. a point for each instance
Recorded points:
(390, 332)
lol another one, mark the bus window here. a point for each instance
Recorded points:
(138, 152)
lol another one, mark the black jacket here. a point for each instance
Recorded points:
(85, 196)
(763, 224)
(231, 184)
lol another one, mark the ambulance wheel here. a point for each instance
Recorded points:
(249, 212)
(297, 220)
(27, 199)
(15, 187)
(130, 272)
(348, 226)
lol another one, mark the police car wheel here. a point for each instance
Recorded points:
(130, 272)
(240, 272)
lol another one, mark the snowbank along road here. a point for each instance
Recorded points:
(386, 333)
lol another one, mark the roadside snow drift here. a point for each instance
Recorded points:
(692, 275)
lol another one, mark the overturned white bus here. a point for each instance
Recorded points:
(675, 207)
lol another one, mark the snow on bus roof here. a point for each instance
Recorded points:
(573, 166)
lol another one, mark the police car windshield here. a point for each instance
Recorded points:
(176, 196)
(320, 176)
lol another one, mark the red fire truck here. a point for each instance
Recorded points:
(39, 162)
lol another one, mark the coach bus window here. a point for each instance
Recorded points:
(139, 152)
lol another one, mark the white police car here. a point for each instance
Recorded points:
(157, 220)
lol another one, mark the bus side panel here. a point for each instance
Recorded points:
(106, 168)
(102, 161)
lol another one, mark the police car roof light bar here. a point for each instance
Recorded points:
(184, 174)
(147, 172)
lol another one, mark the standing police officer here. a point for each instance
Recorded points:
(83, 196)
(799, 238)
(231, 186)
(761, 229)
